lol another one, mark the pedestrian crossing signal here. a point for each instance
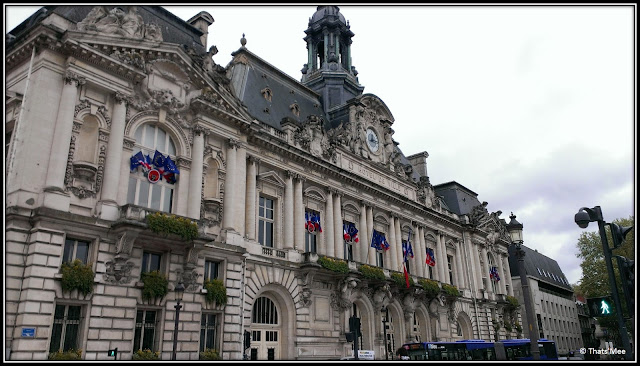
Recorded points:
(600, 306)
(113, 352)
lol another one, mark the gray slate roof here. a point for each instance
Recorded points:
(459, 199)
(540, 267)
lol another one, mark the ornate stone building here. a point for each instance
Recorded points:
(269, 168)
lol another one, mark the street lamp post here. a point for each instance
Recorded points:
(179, 292)
(584, 216)
(515, 231)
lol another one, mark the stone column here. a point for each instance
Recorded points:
(441, 259)
(477, 272)
(252, 198)
(288, 210)
(113, 163)
(337, 225)
(507, 270)
(298, 218)
(459, 270)
(55, 196)
(420, 252)
(397, 246)
(195, 177)
(372, 251)
(328, 223)
(390, 258)
(501, 284)
(485, 269)
(228, 207)
(363, 234)
(241, 187)
(415, 268)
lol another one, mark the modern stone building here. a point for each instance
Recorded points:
(556, 310)
(259, 158)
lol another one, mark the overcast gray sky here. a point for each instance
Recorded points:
(530, 107)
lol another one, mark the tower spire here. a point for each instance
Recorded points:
(329, 70)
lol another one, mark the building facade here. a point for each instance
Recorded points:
(556, 310)
(269, 169)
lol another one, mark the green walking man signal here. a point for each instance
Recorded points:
(600, 306)
(113, 352)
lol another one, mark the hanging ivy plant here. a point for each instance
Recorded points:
(77, 276)
(161, 223)
(155, 285)
(216, 292)
(339, 266)
(450, 290)
(518, 327)
(398, 278)
(431, 288)
(512, 303)
(373, 273)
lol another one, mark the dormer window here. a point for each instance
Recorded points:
(295, 109)
(267, 94)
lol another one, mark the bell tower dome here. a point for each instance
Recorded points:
(328, 70)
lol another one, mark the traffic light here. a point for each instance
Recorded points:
(600, 306)
(350, 336)
(247, 339)
(354, 326)
(113, 352)
(627, 277)
(618, 233)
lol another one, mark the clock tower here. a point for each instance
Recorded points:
(328, 70)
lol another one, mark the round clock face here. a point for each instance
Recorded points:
(372, 140)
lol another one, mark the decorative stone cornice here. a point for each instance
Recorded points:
(71, 77)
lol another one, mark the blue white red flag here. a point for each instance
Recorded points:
(493, 274)
(431, 258)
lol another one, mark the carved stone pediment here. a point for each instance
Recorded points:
(311, 136)
(120, 21)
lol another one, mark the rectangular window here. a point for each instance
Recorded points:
(145, 332)
(450, 268)
(430, 272)
(150, 262)
(208, 332)
(265, 223)
(310, 242)
(348, 250)
(211, 270)
(75, 249)
(158, 196)
(310, 236)
(380, 258)
(348, 245)
(66, 327)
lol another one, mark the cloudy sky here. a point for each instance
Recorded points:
(530, 107)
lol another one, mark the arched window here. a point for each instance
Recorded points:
(265, 330)
(157, 196)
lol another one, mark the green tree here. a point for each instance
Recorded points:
(595, 278)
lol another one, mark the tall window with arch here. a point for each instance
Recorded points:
(494, 283)
(156, 196)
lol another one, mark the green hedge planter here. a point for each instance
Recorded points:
(398, 279)
(372, 273)
(71, 355)
(146, 355)
(161, 223)
(338, 266)
(210, 355)
(431, 288)
(450, 290)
